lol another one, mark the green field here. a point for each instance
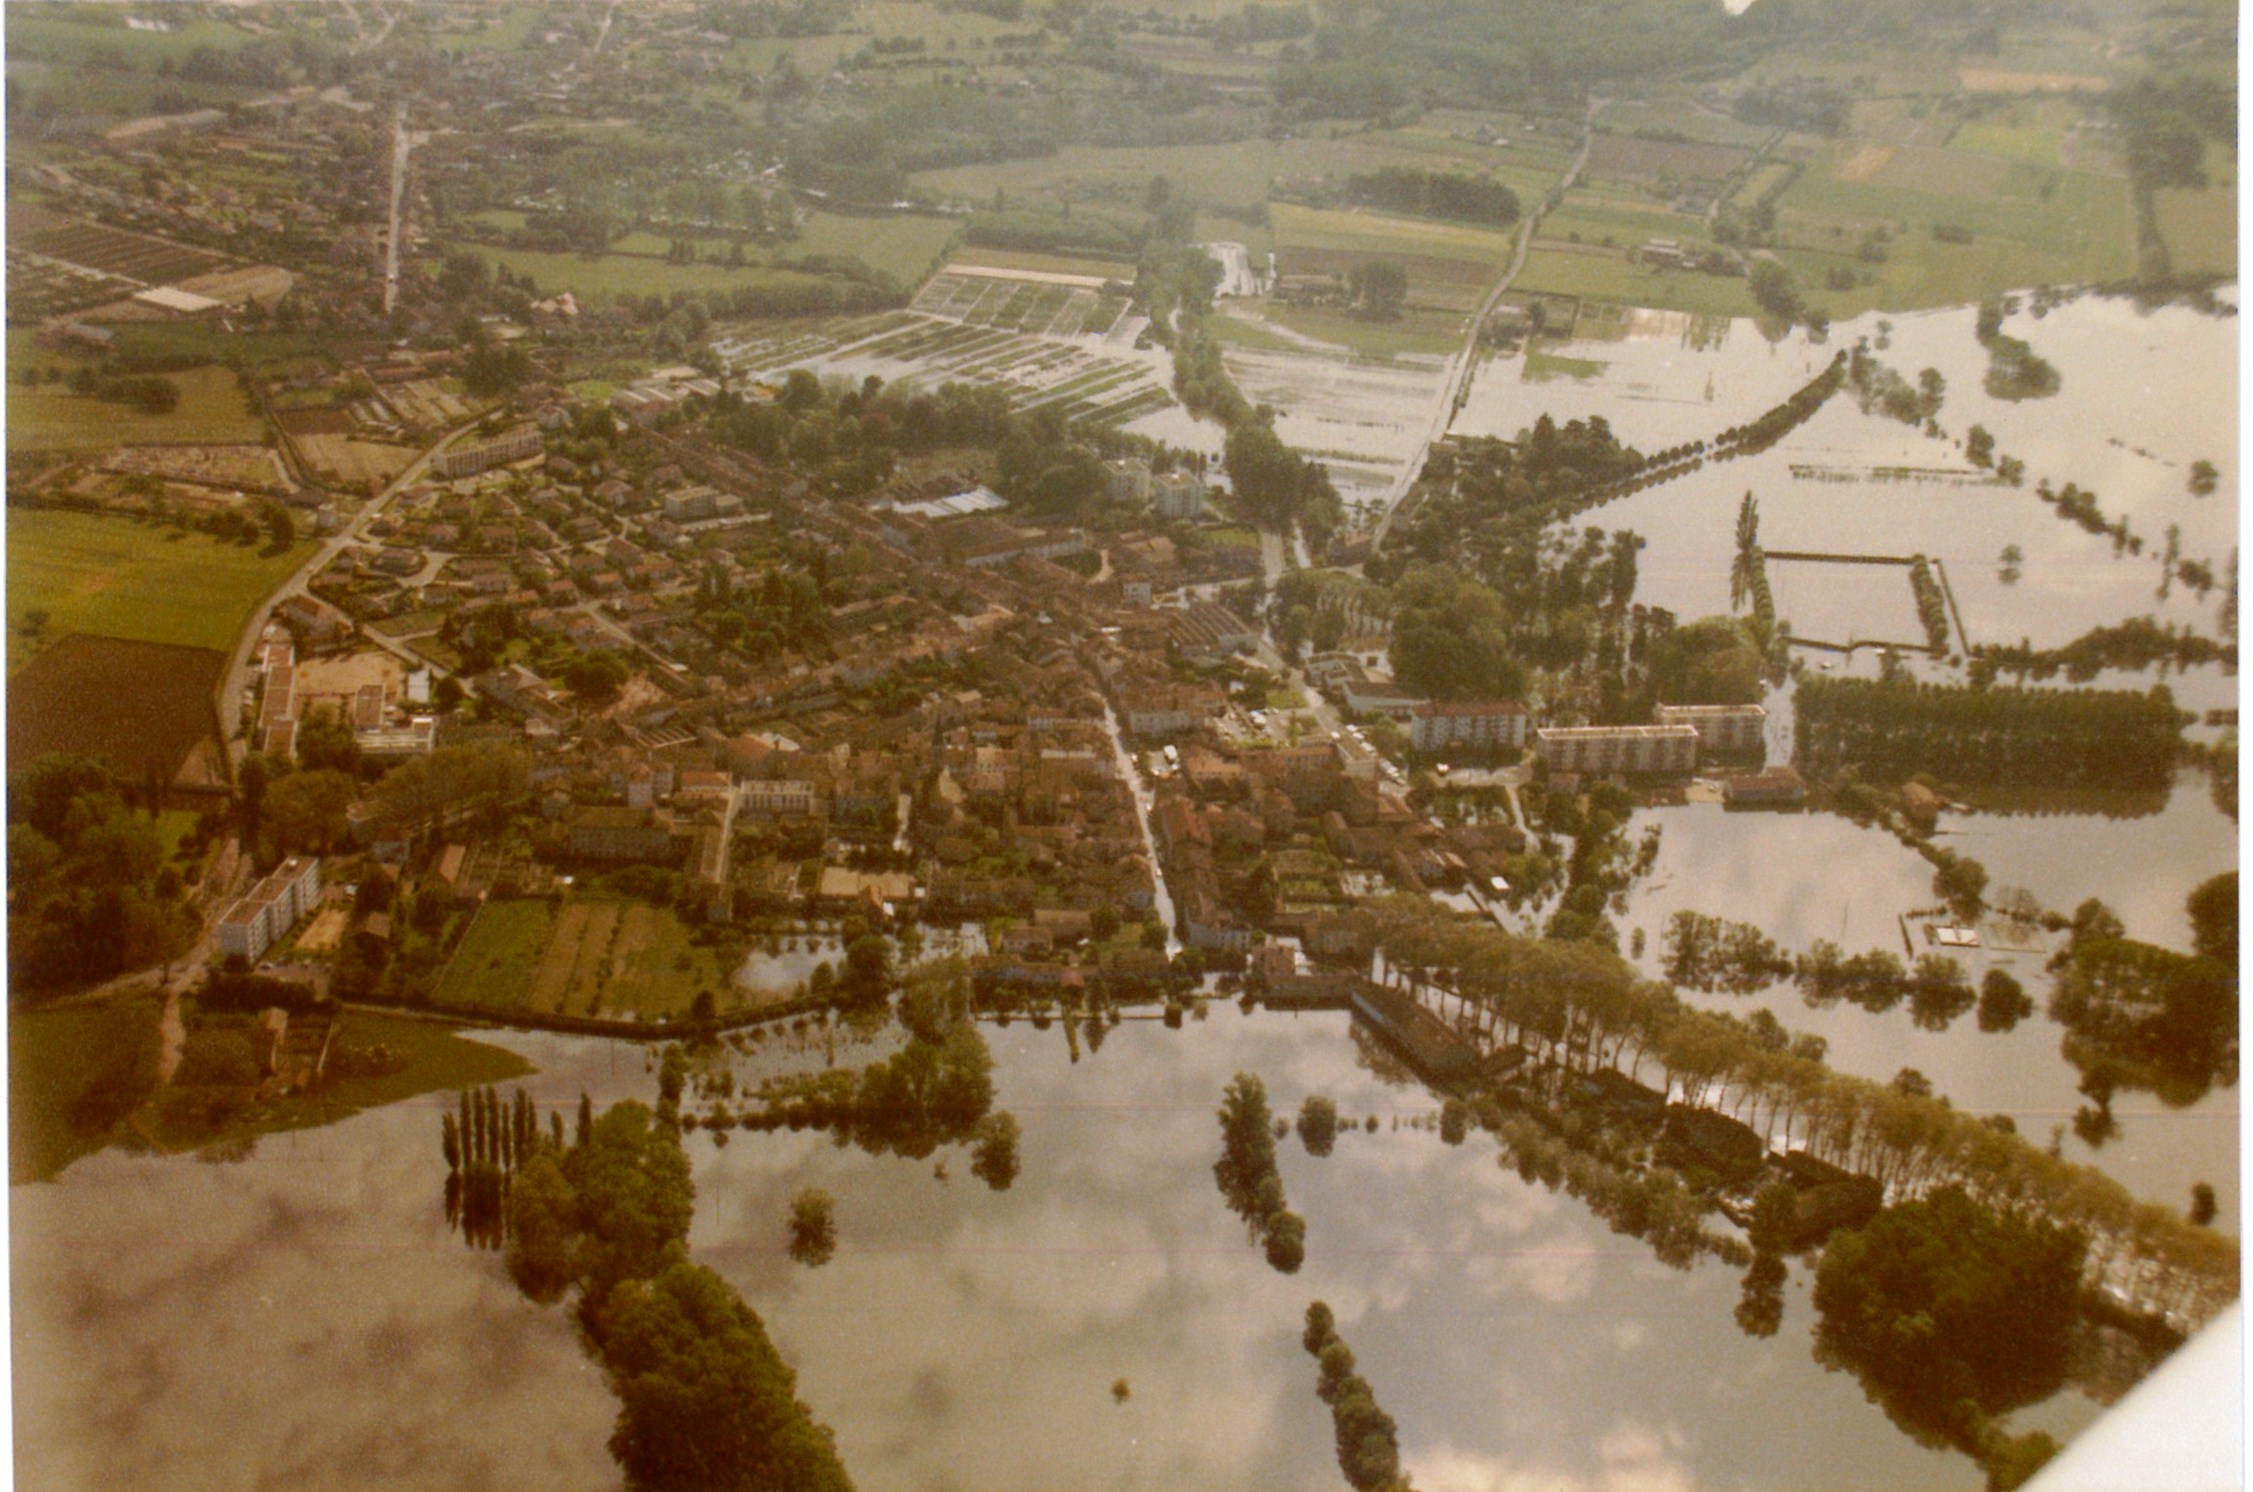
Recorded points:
(492, 965)
(1369, 233)
(54, 1057)
(586, 956)
(2199, 229)
(212, 408)
(1238, 174)
(1621, 282)
(1414, 331)
(438, 1060)
(1541, 366)
(2080, 233)
(903, 247)
(1665, 118)
(119, 578)
(2035, 144)
(611, 275)
(1598, 221)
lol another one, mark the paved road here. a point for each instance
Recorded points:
(239, 668)
(1457, 383)
(400, 145)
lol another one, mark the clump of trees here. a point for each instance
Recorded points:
(2018, 737)
(1368, 1440)
(1318, 1124)
(2147, 1015)
(705, 1401)
(1436, 194)
(1277, 487)
(1247, 1175)
(1583, 1009)
(1379, 287)
(1707, 954)
(813, 1227)
(89, 892)
(1955, 1313)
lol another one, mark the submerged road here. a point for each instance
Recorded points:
(1456, 385)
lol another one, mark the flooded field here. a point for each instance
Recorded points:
(2145, 394)
(960, 1336)
(1803, 877)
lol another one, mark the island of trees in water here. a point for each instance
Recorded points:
(2020, 737)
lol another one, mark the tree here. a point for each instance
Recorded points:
(1318, 1124)
(1748, 558)
(1954, 1311)
(2213, 919)
(596, 679)
(543, 1232)
(2202, 1204)
(813, 1227)
(306, 810)
(2204, 478)
(706, 1403)
(1379, 287)
(325, 743)
(2003, 1001)
(995, 1159)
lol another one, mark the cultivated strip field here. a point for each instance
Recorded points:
(1053, 340)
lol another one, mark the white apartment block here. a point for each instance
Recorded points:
(271, 908)
(1434, 726)
(1721, 727)
(1618, 748)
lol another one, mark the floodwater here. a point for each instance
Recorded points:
(303, 1316)
(1857, 884)
(2144, 394)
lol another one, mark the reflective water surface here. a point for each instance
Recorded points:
(303, 1317)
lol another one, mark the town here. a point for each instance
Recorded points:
(952, 576)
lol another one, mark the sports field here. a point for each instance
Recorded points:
(584, 957)
(118, 578)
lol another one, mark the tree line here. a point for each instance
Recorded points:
(1247, 1176)
(1580, 1009)
(1436, 194)
(705, 1401)
(2131, 645)
(1368, 1440)
(2015, 737)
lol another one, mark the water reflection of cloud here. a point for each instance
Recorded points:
(300, 1319)
(1630, 1457)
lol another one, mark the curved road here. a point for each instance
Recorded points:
(1458, 380)
(239, 667)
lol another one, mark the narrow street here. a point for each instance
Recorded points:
(1162, 899)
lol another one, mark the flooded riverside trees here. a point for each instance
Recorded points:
(1579, 1010)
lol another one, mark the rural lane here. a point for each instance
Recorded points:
(1458, 381)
